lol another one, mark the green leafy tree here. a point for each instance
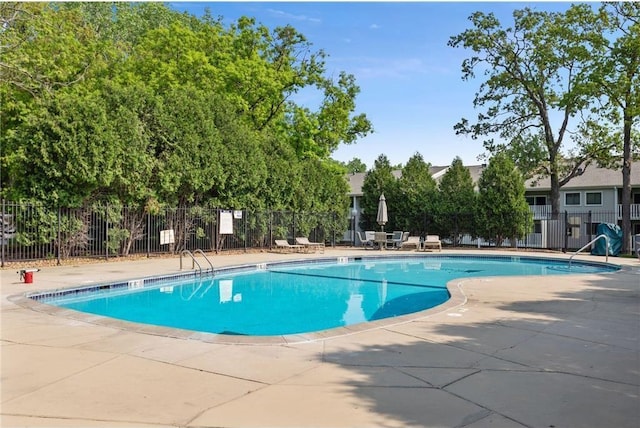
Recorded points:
(316, 189)
(356, 165)
(503, 212)
(278, 191)
(188, 147)
(261, 70)
(457, 202)
(535, 72)
(379, 180)
(65, 162)
(616, 76)
(136, 104)
(338, 125)
(129, 138)
(320, 189)
(418, 196)
(45, 51)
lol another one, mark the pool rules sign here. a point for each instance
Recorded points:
(167, 237)
(226, 223)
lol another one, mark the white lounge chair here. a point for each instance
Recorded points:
(310, 245)
(284, 246)
(432, 241)
(412, 241)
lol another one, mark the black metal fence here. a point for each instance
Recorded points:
(569, 231)
(33, 232)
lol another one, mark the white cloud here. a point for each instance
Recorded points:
(368, 67)
(374, 27)
(290, 16)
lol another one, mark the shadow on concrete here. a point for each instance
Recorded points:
(567, 358)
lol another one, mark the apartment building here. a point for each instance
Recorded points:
(592, 198)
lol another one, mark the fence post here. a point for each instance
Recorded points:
(270, 228)
(148, 234)
(456, 237)
(333, 229)
(214, 223)
(184, 228)
(217, 228)
(2, 237)
(106, 232)
(59, 237)
(293, 226)
(566, 231)
(244, 222)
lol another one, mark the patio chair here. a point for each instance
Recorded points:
(405, 236)
(432, 241)
(412, 241)
(370, 235)
(366, 243)
(300, 240)
(380, 239)
(396, 239)
(283, 245)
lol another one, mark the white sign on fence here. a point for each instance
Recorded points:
(8, 228)
(167, 237)
(226, 223)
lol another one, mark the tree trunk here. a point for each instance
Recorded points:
(626, 185)
(555, 195)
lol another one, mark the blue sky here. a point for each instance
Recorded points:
(410, 80)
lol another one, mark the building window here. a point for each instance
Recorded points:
(537, 226)
(536, 200)
(593, 198)
(572, 198)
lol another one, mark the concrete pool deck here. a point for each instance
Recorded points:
(526, 352)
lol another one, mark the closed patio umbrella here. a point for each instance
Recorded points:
(382, 218)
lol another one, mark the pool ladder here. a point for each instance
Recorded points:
(606, 251)
(194, 262)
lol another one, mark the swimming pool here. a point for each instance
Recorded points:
(298, 297)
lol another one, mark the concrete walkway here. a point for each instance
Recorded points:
(507, 352)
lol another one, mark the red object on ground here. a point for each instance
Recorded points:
(27, 275)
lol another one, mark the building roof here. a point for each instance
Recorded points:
(592, 178)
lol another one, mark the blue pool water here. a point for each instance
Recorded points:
(285, 299)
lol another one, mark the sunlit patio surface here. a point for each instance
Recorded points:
(503, 352)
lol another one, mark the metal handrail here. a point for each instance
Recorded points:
(606, 251)
(199, 251)
(193, 260)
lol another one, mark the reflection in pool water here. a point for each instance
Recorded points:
(289, 299)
